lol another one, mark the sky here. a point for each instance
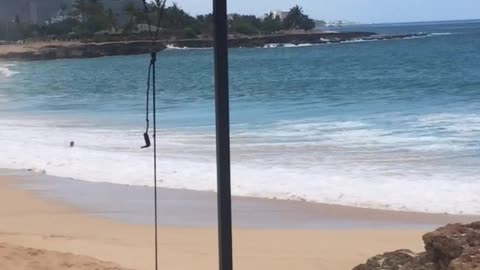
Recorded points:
(361, 11)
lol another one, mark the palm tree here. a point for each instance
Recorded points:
(63, 7)
(294, 18)
(92, 15)
(271, 23)
(132, 13)
(80, 8)
(95, 7)
(111, 20)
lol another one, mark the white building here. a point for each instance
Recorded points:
(338, 23)
(33, 12)
(279, 14)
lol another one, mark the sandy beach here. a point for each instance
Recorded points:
(344, 146)
(53, 228)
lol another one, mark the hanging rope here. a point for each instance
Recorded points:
(151, 81)
(147, 120)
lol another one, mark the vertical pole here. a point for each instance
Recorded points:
(154, 103)
(223, 135)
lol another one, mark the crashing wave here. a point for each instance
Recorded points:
(173, 47)
(287, 45)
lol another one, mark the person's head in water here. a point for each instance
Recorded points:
(72, 144)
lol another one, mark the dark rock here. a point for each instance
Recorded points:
(453, 242)
(293, 38)
(389, 260)
(466, 262)
(453, 247)
(397, 260)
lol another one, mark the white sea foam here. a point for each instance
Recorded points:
(440, 34)
(173, 47)
(290, 45)
(6, 71)
(329, 169)
(461, 124)
(358, 40)
(425, 35)
(287, 45)
(271, 45)
(362, 134)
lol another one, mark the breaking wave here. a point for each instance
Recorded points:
(5, 70)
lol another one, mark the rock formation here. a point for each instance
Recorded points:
(96, 48)
(453, 247)
(81, 50)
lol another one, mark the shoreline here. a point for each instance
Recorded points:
(52, 50)
(31, 221)
(187, 208)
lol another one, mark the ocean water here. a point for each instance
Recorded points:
(383, 124)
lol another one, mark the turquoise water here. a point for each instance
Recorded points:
(384, 124)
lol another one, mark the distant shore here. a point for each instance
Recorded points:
(74, 49)
(32, 51)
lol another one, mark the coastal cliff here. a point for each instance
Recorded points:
(453, 247)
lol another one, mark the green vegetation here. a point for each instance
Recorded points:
(90, 19)
(297, 20)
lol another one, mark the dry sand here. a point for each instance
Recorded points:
(33, 47)
(27, 220)
(20, 258)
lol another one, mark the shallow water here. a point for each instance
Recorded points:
(385, 124)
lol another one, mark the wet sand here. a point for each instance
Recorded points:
(31, 216)
(186, 208)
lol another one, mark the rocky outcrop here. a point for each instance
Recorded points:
(61, 50)
(453, 247)
(397, 260)
(294, 38)
(82, 50)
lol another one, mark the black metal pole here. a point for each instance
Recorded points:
(222, 113)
